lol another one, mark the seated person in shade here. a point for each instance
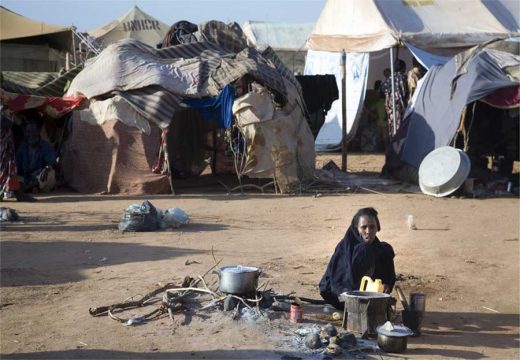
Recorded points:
(360, 253)
(35, 159)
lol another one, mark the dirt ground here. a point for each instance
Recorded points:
(67, 256)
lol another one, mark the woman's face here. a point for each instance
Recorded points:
(367, 228)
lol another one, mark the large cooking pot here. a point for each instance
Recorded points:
(393, 340)
(238, 279)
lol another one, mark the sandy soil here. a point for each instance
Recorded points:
(67, 256)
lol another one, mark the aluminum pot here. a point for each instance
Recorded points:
(238, 280)
(393, 339)
(392, 344)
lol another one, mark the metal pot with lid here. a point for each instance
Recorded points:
(238, 279)
(393, 338)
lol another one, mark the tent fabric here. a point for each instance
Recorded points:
(55, 107)
(279, 36)
(123, 159)
(194, 70)
(371, 25)
(15, 27)
(279, 144)
(135, 24)
(228, 36)
(434, 119)
(505, 98)
(323, 62)
(114, 108)
(31, 58)
(37, 83)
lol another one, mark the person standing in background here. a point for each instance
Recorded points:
(413, 77)
(400, 94)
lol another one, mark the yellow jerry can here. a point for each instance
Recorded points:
(367, 284)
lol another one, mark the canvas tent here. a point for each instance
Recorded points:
(274, 142)
(288, 40)
(135, 24)
(442, 27)
(365, 26)
(28, 45)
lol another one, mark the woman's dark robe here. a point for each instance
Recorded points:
(353, 259)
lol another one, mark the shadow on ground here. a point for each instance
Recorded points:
(56, 262)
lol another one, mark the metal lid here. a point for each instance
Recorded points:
(443, 171)
(364, 294)
(388, 329)
(236, 269)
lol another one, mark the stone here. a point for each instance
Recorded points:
(313, 341)
(333, 350)
(230, 303)
(331, 330)
(346, 340)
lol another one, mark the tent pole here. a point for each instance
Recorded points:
(343, 69)
(393, 87)
(74, 46)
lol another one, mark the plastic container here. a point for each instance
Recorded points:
(296, 313)
(410, 222)
(367, 284)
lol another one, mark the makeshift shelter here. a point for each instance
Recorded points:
(435, 117)
(135, 24)
(214, 82)
(426, 27)
(28, 45)
(288, 40)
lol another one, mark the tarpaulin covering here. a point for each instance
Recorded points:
(323, 62)
(218, 108)
(55, 107)
(153, 80)
(445, 91)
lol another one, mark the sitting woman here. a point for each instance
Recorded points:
(35, 159)
(360, 253)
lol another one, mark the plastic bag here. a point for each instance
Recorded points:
(174, 218)
(144, 217)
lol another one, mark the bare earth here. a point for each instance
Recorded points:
(67, 256)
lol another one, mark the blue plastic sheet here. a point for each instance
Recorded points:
(218, 108)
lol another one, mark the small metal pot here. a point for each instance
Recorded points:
(393, 339)
(238, 280)
(392, 344)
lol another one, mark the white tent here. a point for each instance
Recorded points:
(443, 27)
(371, 25)
(135, 24)
(288, 40)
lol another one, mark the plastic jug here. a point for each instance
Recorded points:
(367, 284)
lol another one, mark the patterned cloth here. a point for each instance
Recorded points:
(8, 176)
(400, 100)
